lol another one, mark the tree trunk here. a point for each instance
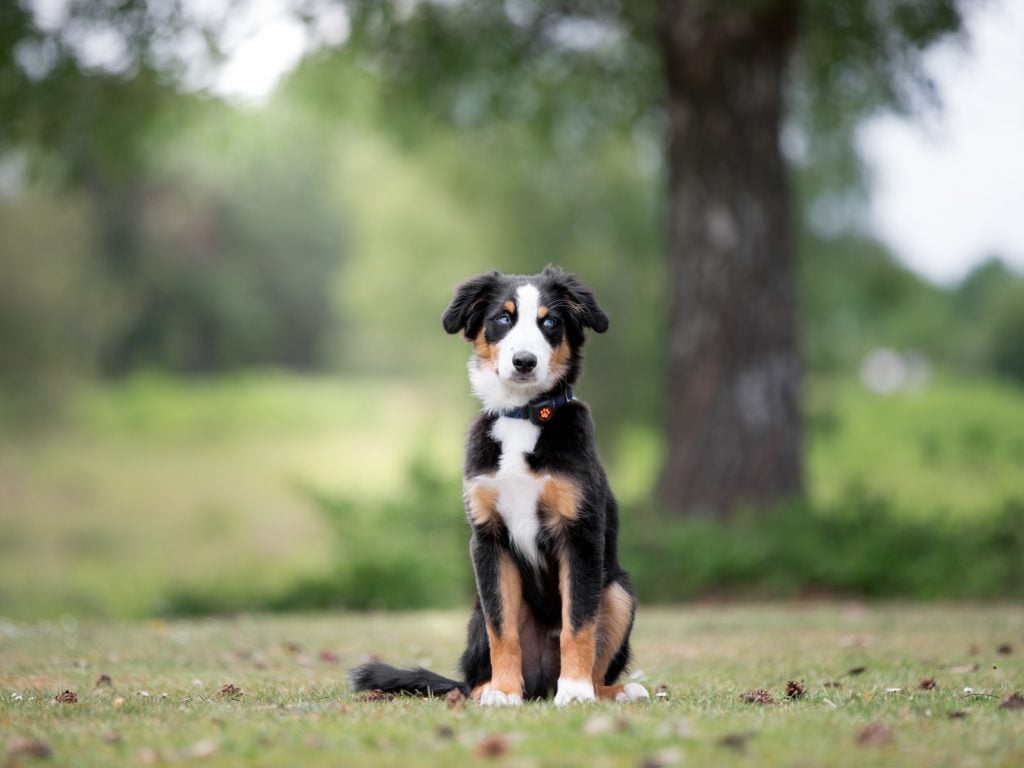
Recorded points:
(733, 419)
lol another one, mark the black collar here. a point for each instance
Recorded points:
(539, 412)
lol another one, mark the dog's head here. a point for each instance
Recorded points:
(527, 332)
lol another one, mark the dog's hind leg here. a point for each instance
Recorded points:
(475, 663)
(614, 623)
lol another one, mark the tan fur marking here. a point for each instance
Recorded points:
(613, 620)
(558, 366)
(510, 306)
(608, 691)
(506, 654)
(577, 648)
(477, 692)
(559, 501)
(542, 313)
(482, 504)
(487, 353)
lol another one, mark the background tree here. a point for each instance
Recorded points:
(718, 77)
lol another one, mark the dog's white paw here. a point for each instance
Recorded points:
(492, 698)
(573, 690)
(632, 692)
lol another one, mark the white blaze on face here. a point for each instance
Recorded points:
(497, 386)
(525, 336)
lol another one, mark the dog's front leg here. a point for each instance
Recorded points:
(501, 596)
(579, 579)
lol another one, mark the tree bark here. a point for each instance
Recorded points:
(733, 416)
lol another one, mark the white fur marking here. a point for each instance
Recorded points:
(493, 698)
(496, 387)
(573, 690)
(517, 487)
(632, 692)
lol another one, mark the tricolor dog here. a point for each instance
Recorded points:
(554, 608)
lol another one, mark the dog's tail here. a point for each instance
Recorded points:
(375, 675)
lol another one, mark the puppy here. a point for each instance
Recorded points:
(554, 609)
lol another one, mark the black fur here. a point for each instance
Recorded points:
(566, 447)
(419, 681)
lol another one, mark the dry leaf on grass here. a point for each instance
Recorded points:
(493, 745)
(455, 699)
(757, 696)
(229, 691)
(67, 697)
(736, 741)
(874, 734)
(795, 689)
(958, 714)
(1012, 701)
(856, 671)
(26, 747)
(927, 684)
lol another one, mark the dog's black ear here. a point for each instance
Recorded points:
(466, 312)
(580, 300)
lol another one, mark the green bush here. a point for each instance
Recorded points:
(1007, 344)
(394, 554)
(412, 553)
(55, 309)
(861, 546)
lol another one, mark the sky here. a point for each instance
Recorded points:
(948, 190)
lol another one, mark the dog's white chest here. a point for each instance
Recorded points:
(517, 487)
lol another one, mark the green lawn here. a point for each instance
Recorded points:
(295, 707)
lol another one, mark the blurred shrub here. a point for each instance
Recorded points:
(1007, 335)
(232, 241)
(55, 310)
(860, 546)
(412, 553)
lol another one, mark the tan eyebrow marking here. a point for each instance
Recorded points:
(542, 312)
(510, 306)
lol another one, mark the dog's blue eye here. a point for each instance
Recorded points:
(504, 319)
(549, 322)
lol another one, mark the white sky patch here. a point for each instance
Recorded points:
(948, 192)
(261, 43)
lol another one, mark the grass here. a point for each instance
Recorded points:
(295, 707)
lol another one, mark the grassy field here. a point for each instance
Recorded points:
(154, 486)
(293, 706)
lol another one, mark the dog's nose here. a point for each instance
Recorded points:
(524, 362)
